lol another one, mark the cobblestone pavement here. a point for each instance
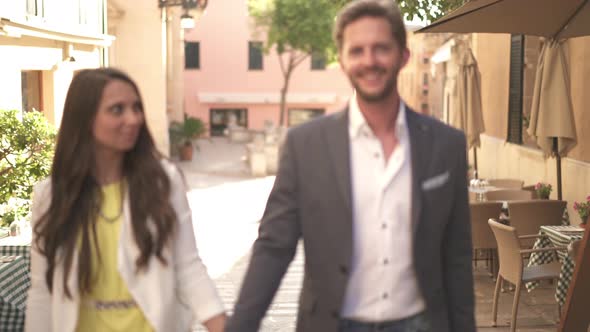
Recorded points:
(227, 204)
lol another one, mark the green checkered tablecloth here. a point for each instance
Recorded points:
(16, 246)
(24, 251)
(556, 236)
(14, 284)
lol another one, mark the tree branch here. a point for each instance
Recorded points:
(280, 56)
(300, 59)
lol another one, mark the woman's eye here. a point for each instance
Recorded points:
(138, 108)
(117, 109)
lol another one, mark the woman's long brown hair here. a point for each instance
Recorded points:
(65, 229)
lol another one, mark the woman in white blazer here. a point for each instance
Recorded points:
(103, 139)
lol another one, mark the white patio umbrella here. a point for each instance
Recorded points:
(469, 116)
(553, 19)
(552, 119)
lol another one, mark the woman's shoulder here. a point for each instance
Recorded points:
(42, 187)
(172, 170)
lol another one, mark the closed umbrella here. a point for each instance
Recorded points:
(553, 19)
(469, 112)
(552, 120)
(552, 92)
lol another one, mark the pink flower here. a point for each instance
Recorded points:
(576, 206)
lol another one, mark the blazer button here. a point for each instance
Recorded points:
(344, 269)
(335, 314)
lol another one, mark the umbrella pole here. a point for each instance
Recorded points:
(558, 164)
(475, 162)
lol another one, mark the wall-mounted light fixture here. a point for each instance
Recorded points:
(68, 51)
(187, 21)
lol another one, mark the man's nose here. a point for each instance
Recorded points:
(369, 59)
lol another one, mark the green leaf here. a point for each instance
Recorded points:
(306, 25)
(26, 153)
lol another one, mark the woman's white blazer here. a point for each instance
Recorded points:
(172, 297)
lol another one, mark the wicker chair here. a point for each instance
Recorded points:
(528, 216)
(482, 237)
(506, 183)
(508, 195)
(512, 267)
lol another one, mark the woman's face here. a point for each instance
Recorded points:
(119, 118)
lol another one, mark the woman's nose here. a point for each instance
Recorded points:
(133, 117)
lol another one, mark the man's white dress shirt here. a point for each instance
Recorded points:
(382, 283)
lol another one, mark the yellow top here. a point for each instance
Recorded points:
(107, 282)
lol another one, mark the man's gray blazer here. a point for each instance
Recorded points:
(311, 199)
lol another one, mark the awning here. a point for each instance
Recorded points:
(15, 29)
(443, 53)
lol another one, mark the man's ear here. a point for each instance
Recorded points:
(405, 56)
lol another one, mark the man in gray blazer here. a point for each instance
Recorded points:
(378, 193)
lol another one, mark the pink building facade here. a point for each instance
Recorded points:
(220, 79)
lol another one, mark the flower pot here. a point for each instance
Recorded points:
(186, 152)
(582, 221)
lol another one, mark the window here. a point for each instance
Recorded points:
(298, 116)
(34, 7)
(192, 55)
(31, 90)
(221, 118)
(514, 134)
(424, 108)
(254, 55)
(318, 61)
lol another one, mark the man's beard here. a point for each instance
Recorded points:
(388, 88)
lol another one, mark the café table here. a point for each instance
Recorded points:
(17, 246)
(556, 236)
(14, 284)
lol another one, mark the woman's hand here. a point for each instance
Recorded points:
(216, 323)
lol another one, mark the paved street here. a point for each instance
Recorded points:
(227, 204)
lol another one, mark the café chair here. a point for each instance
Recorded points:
(573, 248)
(513, 269)
(528, 216)
(506, 183)
(508, 195)
(482, 237)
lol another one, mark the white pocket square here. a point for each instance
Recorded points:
(435, 181)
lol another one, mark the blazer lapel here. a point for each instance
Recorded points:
(339, 151)
(419, 144)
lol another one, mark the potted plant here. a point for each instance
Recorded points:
(583, 209)
(543, 190)
(183, 133)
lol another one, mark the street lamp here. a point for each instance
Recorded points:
(187, 21)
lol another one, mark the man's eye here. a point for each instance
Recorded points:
(355, 51)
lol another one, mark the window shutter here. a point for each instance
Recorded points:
(192, 55)
(515, 89)
(255, 55)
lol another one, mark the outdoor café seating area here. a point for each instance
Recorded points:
(525, 239)
(526, 250)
